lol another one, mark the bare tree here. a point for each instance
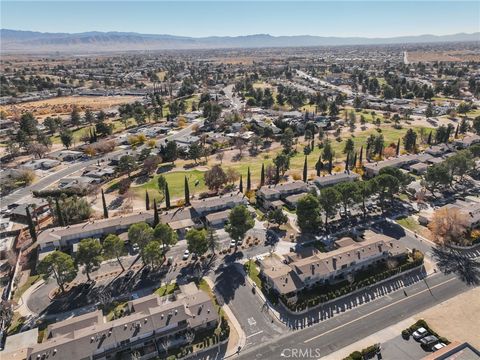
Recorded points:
(448, 225)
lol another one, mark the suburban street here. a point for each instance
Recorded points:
(353, 325)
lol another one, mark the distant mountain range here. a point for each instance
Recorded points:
(32, 41)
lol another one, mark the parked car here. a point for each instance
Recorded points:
(429, 340)
(170, 260)
(135, 248)
(232, 244)
(438, 346)
(186, 255)
(420, 333)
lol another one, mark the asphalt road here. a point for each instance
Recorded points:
(346, 328)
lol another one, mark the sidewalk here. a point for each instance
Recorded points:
(233, 344)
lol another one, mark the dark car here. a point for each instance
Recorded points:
(429, 340)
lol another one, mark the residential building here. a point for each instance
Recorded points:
(335, 178)
(218, 203)
(272, 196)
(300, 270)
(150, 326)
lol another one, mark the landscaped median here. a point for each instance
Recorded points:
(366, 353)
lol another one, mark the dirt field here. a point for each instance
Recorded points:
(64, 105)
(461, 55)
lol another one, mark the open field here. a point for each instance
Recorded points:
(64, 105)
(453, 55)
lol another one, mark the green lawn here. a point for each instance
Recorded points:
(253, 272)
(77, 134)
(409, 222)
(19, 292)
(166, 289)
(176, 182)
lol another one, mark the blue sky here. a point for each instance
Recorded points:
(231, 18)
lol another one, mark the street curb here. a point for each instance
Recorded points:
(233, 320)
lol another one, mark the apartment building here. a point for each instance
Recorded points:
(150, 325)
(304, 269)
(272, 196)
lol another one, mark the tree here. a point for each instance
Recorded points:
(147, 201)
(212, 240)
(365, 190)
(165, 234)
(287, 140)
(262, 176)
(333, 109)
(28, 124)
(349, 146)
(409, 140)
(240, 185)
(59, 265)
(386, 186)
(66, 136)
(348, 193)
(436, 177)
(156, 218)
(403, 178)
(104, 204)
(305, 170)
(127, 164)
(89, 255)
(152, 254)
(150, 164)
(186, 191)
(197, 241)
(59, 214)
(249, 180)
(327, 152)
(75, 117)
(114, 247)
(167, 196)
(239, 222)
(89, 117)
(308, 214)
(329, 199)
(161, 182)
(31, 225)
(195, 151)
(448, 225)
(215, 178)
(276, 216)
(171, 151)
(140, 234)
(282, 162)
(476, 124)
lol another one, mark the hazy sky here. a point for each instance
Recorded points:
(201, 18)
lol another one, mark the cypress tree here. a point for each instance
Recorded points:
(447, 135)
(360, 160)
(305, 170)
(240, 186)
(456, 132)
(60, 219)
(249, 182)
(354, 165)
(347, 162)
(330, 165)
(31, 225)
(156, 219)
(187, 192)
(429, 141)
(262, 176)
(319, 165)
(398, 147)
(167, 196)
(277, 175)
(147, 200)
(105, 209)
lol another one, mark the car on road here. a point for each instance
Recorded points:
(186, 255)
(420, 333)
(438, 346)
(429, 340)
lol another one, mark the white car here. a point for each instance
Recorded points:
(186, 254)
(420, 333)
(232, 244)
(438, 346)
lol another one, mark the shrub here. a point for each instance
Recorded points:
(124, 185)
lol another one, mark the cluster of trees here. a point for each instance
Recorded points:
(69, 210)
(442, 176)
(311, 207)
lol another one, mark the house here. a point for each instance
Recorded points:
(438, 150)
(44, 164)
(455, 350)
(373, 169)
(68, 155)
(418, 168)
(334, 179)
(301, 270)
(467, 141)
(268, 196)
(181, 220)
(65, 237)
(148, 322)
(38, 211)
(16, 346)
(469, 209)
(218, 203)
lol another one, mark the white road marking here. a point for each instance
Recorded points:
(377, 310)
(258, 332)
